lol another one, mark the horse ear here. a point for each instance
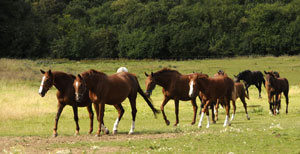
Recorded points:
(265, 72)
(42, 71)
(146, 74)
(80, 77)
(235, 76)
(151, 73)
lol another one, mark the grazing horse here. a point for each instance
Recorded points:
(111, 90)
(275, 86)
(214, 90)
(174, 86)
(122, 69)
(251, 78)
(239, 92)
(65, 96)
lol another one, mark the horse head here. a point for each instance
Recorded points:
(270, 77)
(47, 82)
(194, 87)
(150, 84)
(79, 87)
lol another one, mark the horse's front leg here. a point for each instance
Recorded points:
(195, 108)
(227, 122)
(101, 115)
(234, 109)
(176, 111)
(91, 116)
(207, 102)
(270, 99)
(75, 111)
(162, 110)
(59, 110)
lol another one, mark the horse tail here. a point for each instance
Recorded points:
(264, 81)
(147, 100)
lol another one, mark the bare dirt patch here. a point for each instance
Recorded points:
(64, 144)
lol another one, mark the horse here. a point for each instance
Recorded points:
(214, 90)
(174, 86)
(122, 69)
(65, 96)
(251, 78)
(275, 86)
(111, 90)
(239, 92)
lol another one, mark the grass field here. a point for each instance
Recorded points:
(26, 119)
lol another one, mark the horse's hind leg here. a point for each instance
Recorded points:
(195, 108)
(101, 107)
(91, 116)
(121, 111)
(59, 110)
(227, 122)
(286, 94)
(176, 111)
(234, 109)
(133, 113)
(103, 128)
(162, 110)
(75, 111)
(245, 106)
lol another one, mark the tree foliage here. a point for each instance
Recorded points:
(178, 29)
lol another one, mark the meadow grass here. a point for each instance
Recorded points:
(24, 113)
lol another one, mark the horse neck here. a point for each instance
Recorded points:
(61, 81)
(91, 80)
(202, 84)
(164, 80)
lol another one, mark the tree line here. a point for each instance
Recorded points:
(137, 29)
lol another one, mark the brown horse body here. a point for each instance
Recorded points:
(65, 96)
(174, 86)
(238, 92)
(275, 86)
(214, 90)
(112, 90)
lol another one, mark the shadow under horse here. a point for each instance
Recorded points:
(251, 78)
(65, 96)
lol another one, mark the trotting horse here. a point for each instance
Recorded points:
(112, 90)
(65, 96)
(251, 78)
(174, 86)
(275, 86)
(239, 92)
(214, 90)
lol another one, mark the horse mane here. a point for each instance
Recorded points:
(93, 72)
(167, 70)
(245, 71)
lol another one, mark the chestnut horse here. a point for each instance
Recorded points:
(112, 90)
(275, 86)
(239, 92)
(251, 78)
(65, 96)
(174, 86)
(214, 90)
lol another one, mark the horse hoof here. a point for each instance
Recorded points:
(97, 135)
(54, 135)
(199, 126)
(76, 134)
(175, 125)
(106, 132)
(130, 133)
(115, 132)
(248, 118)
(167, 122)
(214, 122)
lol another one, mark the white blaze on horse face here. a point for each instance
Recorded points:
(191, 88)
(42, 84)
(76, 84)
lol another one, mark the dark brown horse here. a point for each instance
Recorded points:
(214, 90)
(65, 96)
(175, 86)
(275, 86)
(112, 90)
(239, 92)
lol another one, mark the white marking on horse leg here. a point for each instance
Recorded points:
(191, 88)
(201, 119)
(104, 129)
(207, 126)
(215, 110)
(115, 129)
(226, 121)
(277, 111)
(42, 84)
(232, 117)
(247, 116)
(132, 127)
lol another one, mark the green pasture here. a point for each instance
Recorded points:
(23, 113)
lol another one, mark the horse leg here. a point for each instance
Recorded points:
(176, 111)
(101, 107)
(227, 122)
(103, 128)
(212, 106)
(270, 99)
(162, 110)
(121, 111)
(59, 110)
(245, 106)
(217, 110)
(258, 86)
(247, 86)
(75, 111)
(195, 108)
(91, 116)
(207, 116)
(234, 109)
(277, 99)
(202, 114)
(286, 94)
(132, 101)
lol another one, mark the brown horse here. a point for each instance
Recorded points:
(214, 90)
(275, 86)
(65, 96)
(175, 86)
(112, 90)
(239, 92)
